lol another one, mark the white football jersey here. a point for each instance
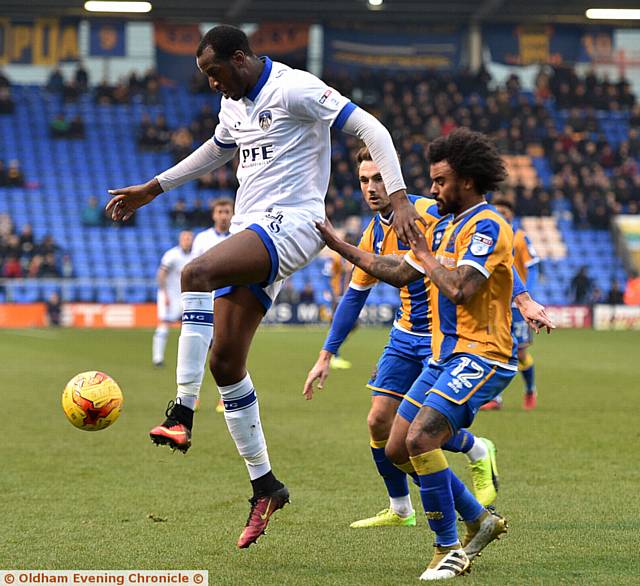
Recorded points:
(173, 261)
(281, 131)
(206, 240)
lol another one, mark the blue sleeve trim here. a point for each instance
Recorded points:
(271, 249)
(225, 145)
(345, 318)
(518, 285)
(532, 277)
(344, 114)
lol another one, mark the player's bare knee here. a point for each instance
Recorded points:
(194, 278)
(379, 424)
(396, 452)
(427, 432)
(417, 443)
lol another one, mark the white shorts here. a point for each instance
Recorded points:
(169, 311)
(292, 240)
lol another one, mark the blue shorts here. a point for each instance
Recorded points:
(457, 388)
(404, 358)
(520, 329)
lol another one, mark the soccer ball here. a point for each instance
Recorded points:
(92, 400)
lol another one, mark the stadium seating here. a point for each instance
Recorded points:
(63, 174)
(564, 250)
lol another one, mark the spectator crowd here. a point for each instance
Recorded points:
(156, 135)
(581, 133)
(590, 176)
(11, 175)
(22, 256)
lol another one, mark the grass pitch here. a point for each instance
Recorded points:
(111, 500)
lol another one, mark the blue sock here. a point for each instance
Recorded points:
(437, 496)
(528, 371)
(466, 504)
(394, 478)
(462, 441)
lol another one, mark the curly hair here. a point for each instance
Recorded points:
(225, 40)
(471, 155)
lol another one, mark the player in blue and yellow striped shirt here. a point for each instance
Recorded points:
(468, 257)
(413, 315)
(404, 357)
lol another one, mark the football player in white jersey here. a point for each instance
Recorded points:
(169, 295)
(277, 120)
(221, 214)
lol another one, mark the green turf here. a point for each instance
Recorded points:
(71, 499)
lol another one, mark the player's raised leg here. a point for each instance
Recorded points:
(241, 259)
(238, 315)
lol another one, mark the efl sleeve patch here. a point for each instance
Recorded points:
(309, 98)
(481, 244)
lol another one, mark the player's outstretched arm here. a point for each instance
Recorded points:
(344, 320)
(388, 268)
(534, 313)
(127, 200)
(380, 144)
(205, 158)
(319, 372)
(459, 285)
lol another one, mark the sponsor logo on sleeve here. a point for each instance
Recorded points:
(480, 244)
(324, 96)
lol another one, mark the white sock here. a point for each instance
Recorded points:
(401, 505)
(160, 338)
(478, 451)
(193, 345)
(242, 414)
